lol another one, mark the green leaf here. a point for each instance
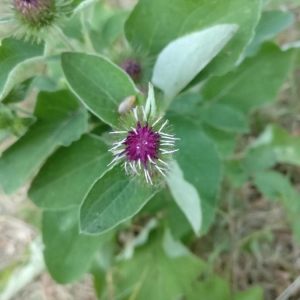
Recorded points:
(285, 147)
(181, 60)
(276, 186)
(177, 221)
(44, 83)
(54, 127)
(114, 27)
(191, 205)
(113, 199)
(19, 60)
(152, 275)
(225, 118)
(271, 23)
(246, 88)
(98, 83)
(186, 104)
(235, 172)
(68, 175)
(153, 24)
(200, 164)
(214, 288)
(68, 254)
(259, 159)
(272, 184)
(19, 92)
(225, 142)
(172, 247)
(254, 293)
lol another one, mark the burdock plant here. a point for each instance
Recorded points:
(144, 143)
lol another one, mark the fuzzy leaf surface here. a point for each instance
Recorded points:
(152, 275)
(113, 199)
(224, 118)
(68, 254)
(55, 127)
(200, 164)
(153, 24)
(270, 24)
(181, 60)
(98, 83)
(186, 197)
(13, 54)
(247, 88)
(69, 173)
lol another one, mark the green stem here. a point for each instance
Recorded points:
(64, 38)
(86, 36)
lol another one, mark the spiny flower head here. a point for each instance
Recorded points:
(133, 68)
(136, 63)
(144, 146)
(33, 18)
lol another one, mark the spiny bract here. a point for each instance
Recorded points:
(144, 146)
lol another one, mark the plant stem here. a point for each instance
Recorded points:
(86, 36)
(64, 38)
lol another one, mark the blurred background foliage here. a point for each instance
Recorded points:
(248, 157)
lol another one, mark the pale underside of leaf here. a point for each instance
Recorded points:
(186, 197)
(28, 68)
(181, 60)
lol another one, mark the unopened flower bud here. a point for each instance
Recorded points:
(133, 68)
(33, 18)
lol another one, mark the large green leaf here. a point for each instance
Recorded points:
(224, 118)
(200, 164)
(225, 142)
(113, 199)
(155, 23)
(68, 254)
(246, 88)
(181, 60)
(276, 186)
(18, 61)
(270, 24)
(186, 197)
(67, 176)
(61, 120)
(98, 83)
(152, 275)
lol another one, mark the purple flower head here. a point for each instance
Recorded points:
(34, 18)
(145, 147)
(133, 68)
(36, 13)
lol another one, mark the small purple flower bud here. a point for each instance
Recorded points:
(144, 146)
(133, 68)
